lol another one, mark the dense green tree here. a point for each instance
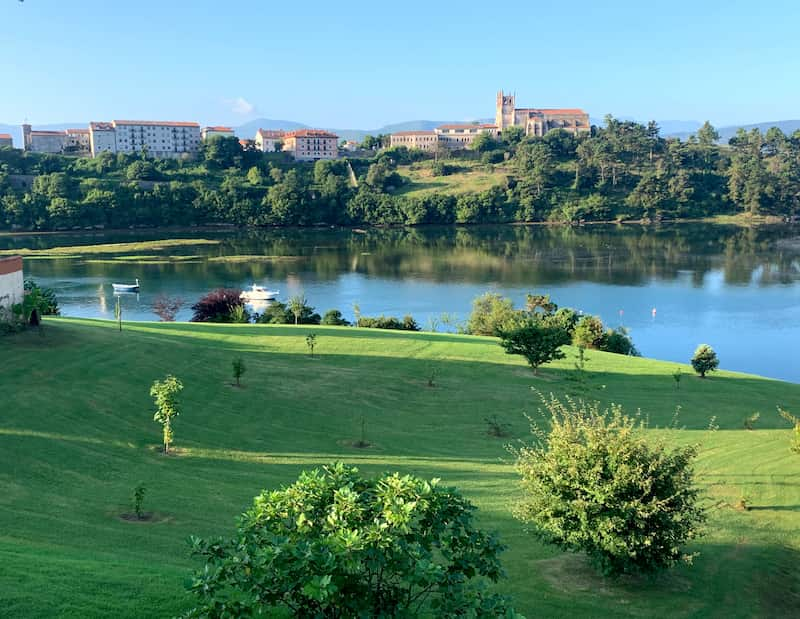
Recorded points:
(335, 544)
(704, 360)
(491, 314)
(536, 340)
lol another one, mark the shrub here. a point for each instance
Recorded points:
(704, 360)
(218, 306)
(311, 342)
(166, 308)
(334, 318)
(439, 168)
(596, 484)
(620, 342)
(589, 333)
(278, 313)
(388, 322)
(566, 318)
(493, 156)
(492, 314)
(335, 544)
(42, 298)
(536, 341)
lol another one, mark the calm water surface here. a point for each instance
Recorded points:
(736, 289)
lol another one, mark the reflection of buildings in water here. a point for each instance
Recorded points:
(101, 297)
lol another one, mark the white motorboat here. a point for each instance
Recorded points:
(126, 287)
(259, 293)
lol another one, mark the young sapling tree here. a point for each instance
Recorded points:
(239, 368)
(165, 396)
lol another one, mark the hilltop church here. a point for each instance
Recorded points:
(537, 122)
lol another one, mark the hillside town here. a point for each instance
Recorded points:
(171, 139)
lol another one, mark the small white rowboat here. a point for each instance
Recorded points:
(126, 287)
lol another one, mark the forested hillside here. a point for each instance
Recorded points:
(620, 171)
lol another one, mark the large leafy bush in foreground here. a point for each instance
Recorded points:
(596, 483)
(334, 544)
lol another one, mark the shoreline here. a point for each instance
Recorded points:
(743, 221)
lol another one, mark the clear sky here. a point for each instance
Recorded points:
(363, 64)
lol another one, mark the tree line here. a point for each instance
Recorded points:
(622, 170)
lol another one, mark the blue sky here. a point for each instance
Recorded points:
(355, 64)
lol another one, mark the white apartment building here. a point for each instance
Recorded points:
(311, 144)
(210, 132)
(267, 140)
(156, 138)
(102, 138)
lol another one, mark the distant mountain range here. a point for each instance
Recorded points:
(669, 128)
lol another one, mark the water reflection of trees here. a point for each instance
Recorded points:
(528, 256)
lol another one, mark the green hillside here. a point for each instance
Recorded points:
(471, 177)
(76, 436)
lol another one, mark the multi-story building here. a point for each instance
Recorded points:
(420, 140)
(70, 141)
(156, 138)
(76, 142)
(102, 138)
(537, 122)
(311, 144)
(461, 136)
(6, 140)
(210, 132)
(452, 137)
(268, 140)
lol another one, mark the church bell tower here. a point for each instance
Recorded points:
(504, 111)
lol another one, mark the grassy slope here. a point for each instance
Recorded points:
(474, 178)
(76, 435)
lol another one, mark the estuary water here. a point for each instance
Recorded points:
(673, 286)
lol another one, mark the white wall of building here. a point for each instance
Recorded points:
(11, 284)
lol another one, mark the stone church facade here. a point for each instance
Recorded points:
(537, 122)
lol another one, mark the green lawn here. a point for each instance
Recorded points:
(76, 436)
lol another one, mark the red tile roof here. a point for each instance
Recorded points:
(226, 129)
(10, 264)
(467, 126)
(156, 123)
(554, 111)
(311, 133)
(5, 136)
(420, 132)
(79, 131)
(101, 126)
